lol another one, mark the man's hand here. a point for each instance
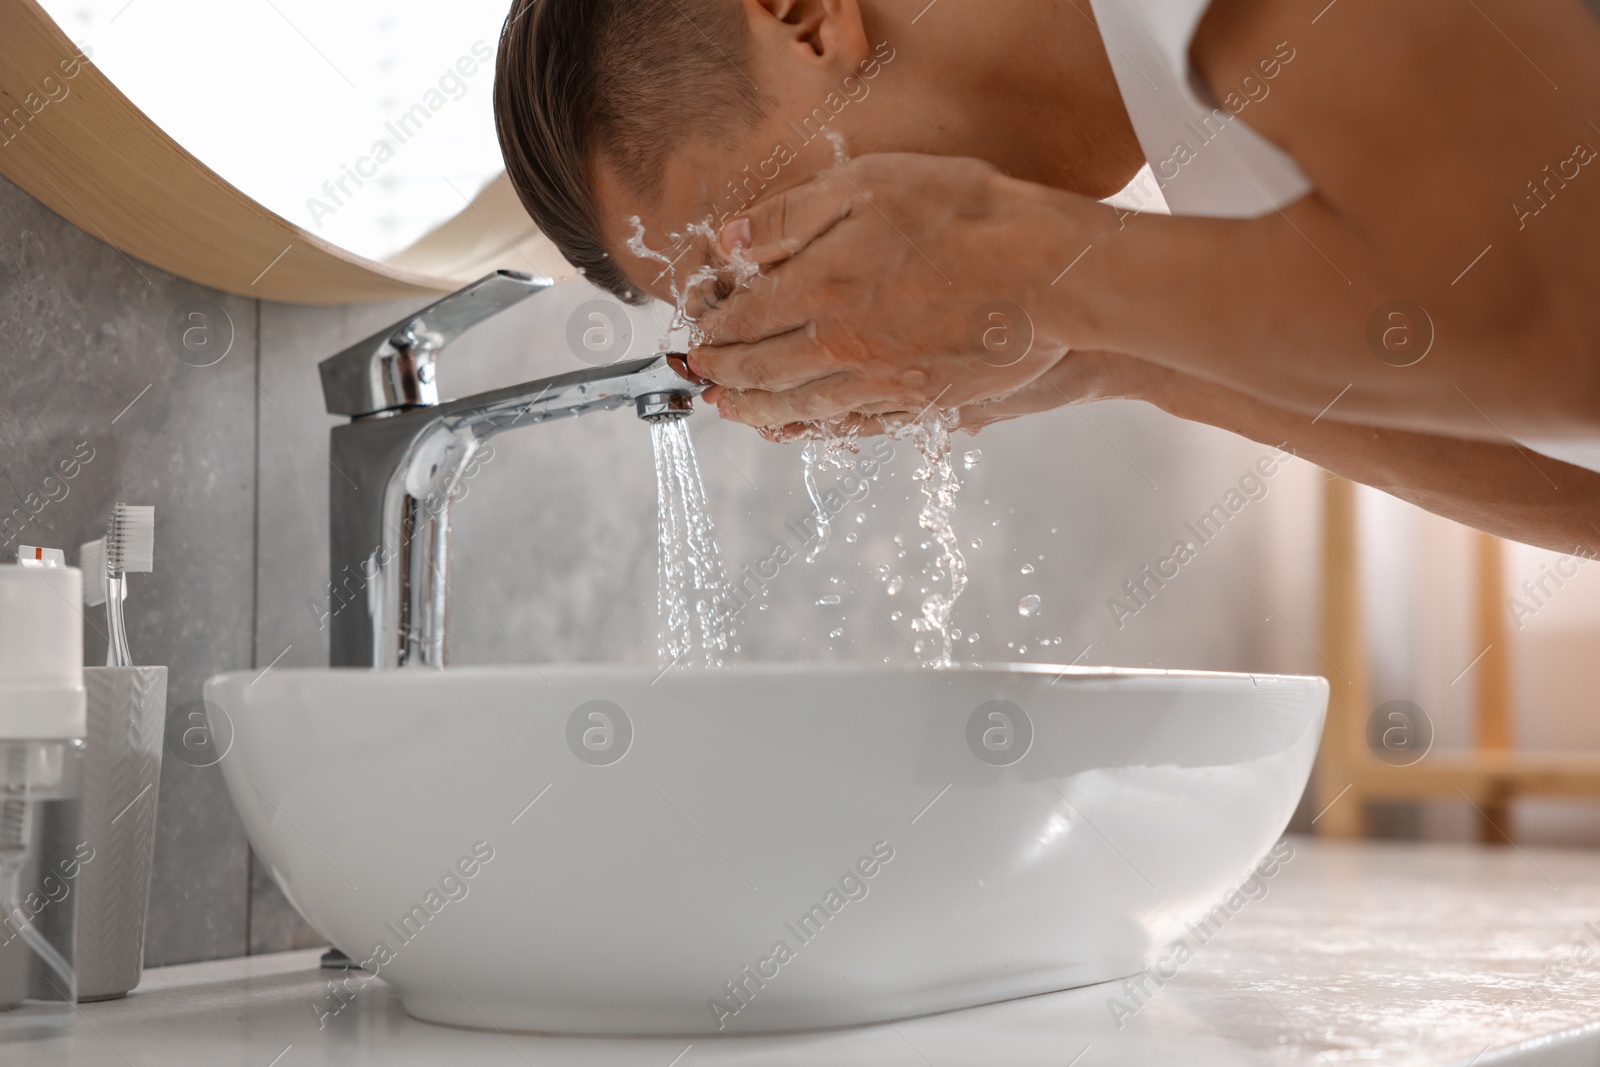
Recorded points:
(890, 284)
(1077, 378)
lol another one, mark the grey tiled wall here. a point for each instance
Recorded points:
(84, 357)
(555, 538)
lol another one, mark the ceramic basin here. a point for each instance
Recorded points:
(599, 850)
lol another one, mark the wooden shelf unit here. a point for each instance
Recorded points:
(1490, 775)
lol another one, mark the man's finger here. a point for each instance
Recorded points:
(861, 424)
(773, 304)
(812, 402)
(783, 362)
(853, 425)
(781, 225)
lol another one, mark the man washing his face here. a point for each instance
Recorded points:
(1383, 253)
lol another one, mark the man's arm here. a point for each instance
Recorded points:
(1450, 173)
(1500, 488)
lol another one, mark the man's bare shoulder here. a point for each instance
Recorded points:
(1372, 83)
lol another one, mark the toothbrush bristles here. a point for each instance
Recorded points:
(130, 539)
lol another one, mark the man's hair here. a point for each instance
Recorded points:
(620, 82)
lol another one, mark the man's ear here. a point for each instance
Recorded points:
(828, 30)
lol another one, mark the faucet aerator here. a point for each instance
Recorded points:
(664, 407)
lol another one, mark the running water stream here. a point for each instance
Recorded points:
(694, 601)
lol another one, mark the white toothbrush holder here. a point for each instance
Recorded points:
(122, 772)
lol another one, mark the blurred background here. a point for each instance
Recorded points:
(555, 550)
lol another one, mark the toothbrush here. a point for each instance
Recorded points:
(128, 548)
(92, 561)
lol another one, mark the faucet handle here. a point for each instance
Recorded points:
(394, 368)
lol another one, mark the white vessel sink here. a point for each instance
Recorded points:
(449, 818)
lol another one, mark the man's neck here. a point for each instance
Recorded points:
(1024, 84)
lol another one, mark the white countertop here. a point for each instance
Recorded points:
(1361, 953)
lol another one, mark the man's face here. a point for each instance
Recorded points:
(703, 185)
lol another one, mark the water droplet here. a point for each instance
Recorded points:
(836, 633)
(851, 538)
(1027, 568)
(972, 459)
(899, 539)
(955, 635)
(1022, 650)
(936, 575)
(861, 517)
(833, 598)
(896, 616)
(972, 638)
(883, 570)
(977, 542)
(1029, 605)
(1052, 529)
(896, 584)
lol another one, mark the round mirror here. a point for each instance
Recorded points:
(366, 123)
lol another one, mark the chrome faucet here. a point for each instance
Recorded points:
(404, 452)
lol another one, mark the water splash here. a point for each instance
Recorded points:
(825, 449)
(694, 601)
(930, 435)
(669, 269)
(739, 272)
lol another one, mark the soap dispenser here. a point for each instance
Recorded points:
(42, 725)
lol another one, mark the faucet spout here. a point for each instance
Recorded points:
(395, 470)
(658, 386)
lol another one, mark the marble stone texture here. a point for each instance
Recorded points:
(1348, 953)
